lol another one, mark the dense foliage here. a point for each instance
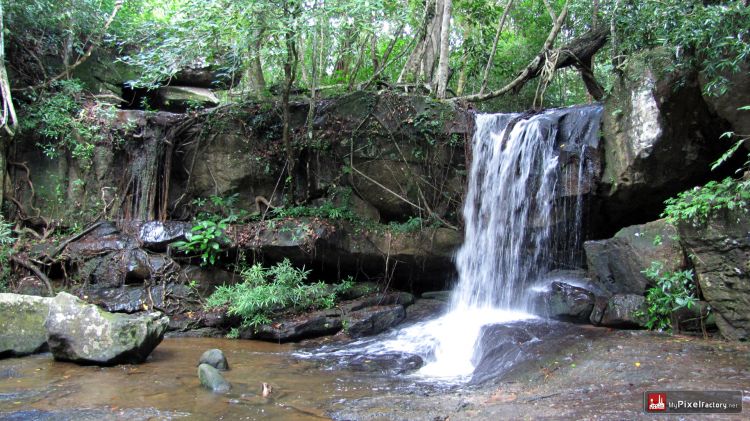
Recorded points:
(264, 292)
(672, 291)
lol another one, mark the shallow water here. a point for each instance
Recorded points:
(167, 387)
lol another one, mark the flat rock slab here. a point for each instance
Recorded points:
(86, 334)
(22, 324)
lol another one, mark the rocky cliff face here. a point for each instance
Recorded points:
(385, 157)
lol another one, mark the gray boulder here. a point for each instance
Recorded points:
(295, 328)
(22, 324)
(720, 252)
(86, 334)
(215, 358)
(660, 137)
(373, 320)
(625, 310)
(212, 380)
(615, 264)
(567, 302)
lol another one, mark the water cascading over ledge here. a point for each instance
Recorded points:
(524, 215)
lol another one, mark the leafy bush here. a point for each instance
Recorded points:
(205, 237)
(69, 120)
(265, 291)
(673, 291)
(697, 205)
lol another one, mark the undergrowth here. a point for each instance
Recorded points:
(673, 291)
(264, 292)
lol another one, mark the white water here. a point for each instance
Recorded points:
(509, 219)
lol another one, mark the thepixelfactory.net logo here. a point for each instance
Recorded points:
(693, 402)
(657, 402)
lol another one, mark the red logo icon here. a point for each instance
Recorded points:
(657, 402)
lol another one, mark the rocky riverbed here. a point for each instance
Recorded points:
(586, 373)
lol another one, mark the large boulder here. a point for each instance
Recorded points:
(179, 97)
(660, 138)
(298, 327)
(623, 310)
(616, 265)
(566, 302)
(22, 324)
(728, 105)
(85, 334)
(720, 252)
(373, 320)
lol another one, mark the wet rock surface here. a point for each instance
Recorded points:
(373, 320)
(215, 358)
(720, 252)
(588, 373)
(212, 379)
(616, 264)
(566, 302)
(86, 334)
(22, 329)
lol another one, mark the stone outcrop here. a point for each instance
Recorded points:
(615, 265)
(86, 334)
(22, 329)
(367, 315)
(720, 253)
(660, 138)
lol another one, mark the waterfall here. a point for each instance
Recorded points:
(523, 216)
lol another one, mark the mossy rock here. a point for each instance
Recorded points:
(22, 324)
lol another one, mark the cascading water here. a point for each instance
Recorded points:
(515, 214)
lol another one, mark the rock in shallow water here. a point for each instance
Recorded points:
(212, 380)
(215, 358)
(22, 324)
(85, 334)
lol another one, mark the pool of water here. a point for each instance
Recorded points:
(167, 387)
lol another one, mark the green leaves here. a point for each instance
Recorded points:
(206, 237)
(267, 291)
(673, 291)
(698, 204)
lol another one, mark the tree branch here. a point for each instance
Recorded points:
(578, 51)
(92, 43)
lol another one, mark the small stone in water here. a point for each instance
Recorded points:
(215, 358)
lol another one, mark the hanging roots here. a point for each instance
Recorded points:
(551, 58)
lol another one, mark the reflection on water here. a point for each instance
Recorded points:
(167, 387)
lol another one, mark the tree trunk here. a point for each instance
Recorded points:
(255, 70)
(445, 41)
(290, 72)
(494, 46)
(8, 120)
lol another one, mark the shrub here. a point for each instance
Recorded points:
(673, 291)
(698, 204)
(266, 291)
(205, 237)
